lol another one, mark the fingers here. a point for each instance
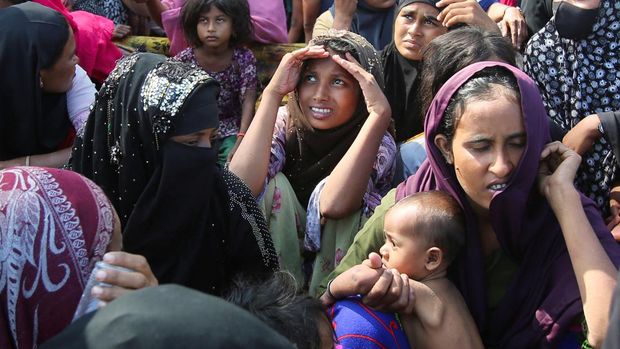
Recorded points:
(107, 294)
(351, 65)
(403, 302)
(131, 261)
(375, 260)
(379, 290)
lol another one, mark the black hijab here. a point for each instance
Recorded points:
(196, 224)
(32, 38)
(168, 316)
(402, 85)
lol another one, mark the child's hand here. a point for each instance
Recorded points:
(286, 76)
(376, 102)
(120, 31)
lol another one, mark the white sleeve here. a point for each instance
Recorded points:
(79, 98)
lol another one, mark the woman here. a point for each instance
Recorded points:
(147, 144)
(485, 138)
(44, 97)
(54, 226)
(327, 156)
(578, 72)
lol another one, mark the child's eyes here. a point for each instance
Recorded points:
(339, 82)
(310, 78)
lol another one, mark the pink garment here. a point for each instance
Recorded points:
(268, 19)
(93, 35)
(509, 2)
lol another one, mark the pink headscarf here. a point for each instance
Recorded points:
(93, 40)
(54, 226)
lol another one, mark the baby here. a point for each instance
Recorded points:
(423, 235)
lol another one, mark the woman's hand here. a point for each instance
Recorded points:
(121, 31)
(121, 281)
(466, 12)
(287, 74)
(513, 26)
(375, 99)
(558, 166)
(581, 137)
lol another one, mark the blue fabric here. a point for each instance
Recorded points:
(360, 327)
(485, 4)
(410, 156)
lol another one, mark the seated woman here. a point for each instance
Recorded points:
(147, 144)
(54, 226)
(538, 257)
(327, 156)
(44, 95)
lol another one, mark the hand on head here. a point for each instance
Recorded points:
(123, 282)
(287, 74)
(466, 12)
(376, 102)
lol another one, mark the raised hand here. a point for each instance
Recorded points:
(287, 74)
(513, 26)
(558, 166)
(375, 99)
(465, 12)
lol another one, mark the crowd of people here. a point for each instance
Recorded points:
(422, 173)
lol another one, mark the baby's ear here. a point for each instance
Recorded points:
(434, 258)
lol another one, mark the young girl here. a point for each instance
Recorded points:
(327, 157)
(215, 30)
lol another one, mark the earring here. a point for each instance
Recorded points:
(40, 82)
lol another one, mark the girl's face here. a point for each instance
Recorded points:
(488, 143)
(59, 77)
(415, 26)
(197, 139)
(328, 94)
(214, 28)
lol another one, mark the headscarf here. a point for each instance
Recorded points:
(312, 154)
(577, 79)
(544, 286)
(195, 224)
(402, 84)
(168, 316)
(93, 40)
(54, 226)
(32, 38)
(374, 24)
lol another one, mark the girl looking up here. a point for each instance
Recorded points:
(215, 30)
(327, 157)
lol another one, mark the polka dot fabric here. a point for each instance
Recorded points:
(577, 79)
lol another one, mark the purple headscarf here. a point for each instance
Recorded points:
(543, 298)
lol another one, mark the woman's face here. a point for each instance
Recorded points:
(201, 138)
(415, 26)
(328, 94)
(59, 77)
(486, 148)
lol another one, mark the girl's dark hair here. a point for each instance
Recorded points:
(482, 86)
(280, 303)
(453, 51)
(237, 10)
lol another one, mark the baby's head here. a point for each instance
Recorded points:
(423, 234)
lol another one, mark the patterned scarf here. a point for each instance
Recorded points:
(54, 226)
